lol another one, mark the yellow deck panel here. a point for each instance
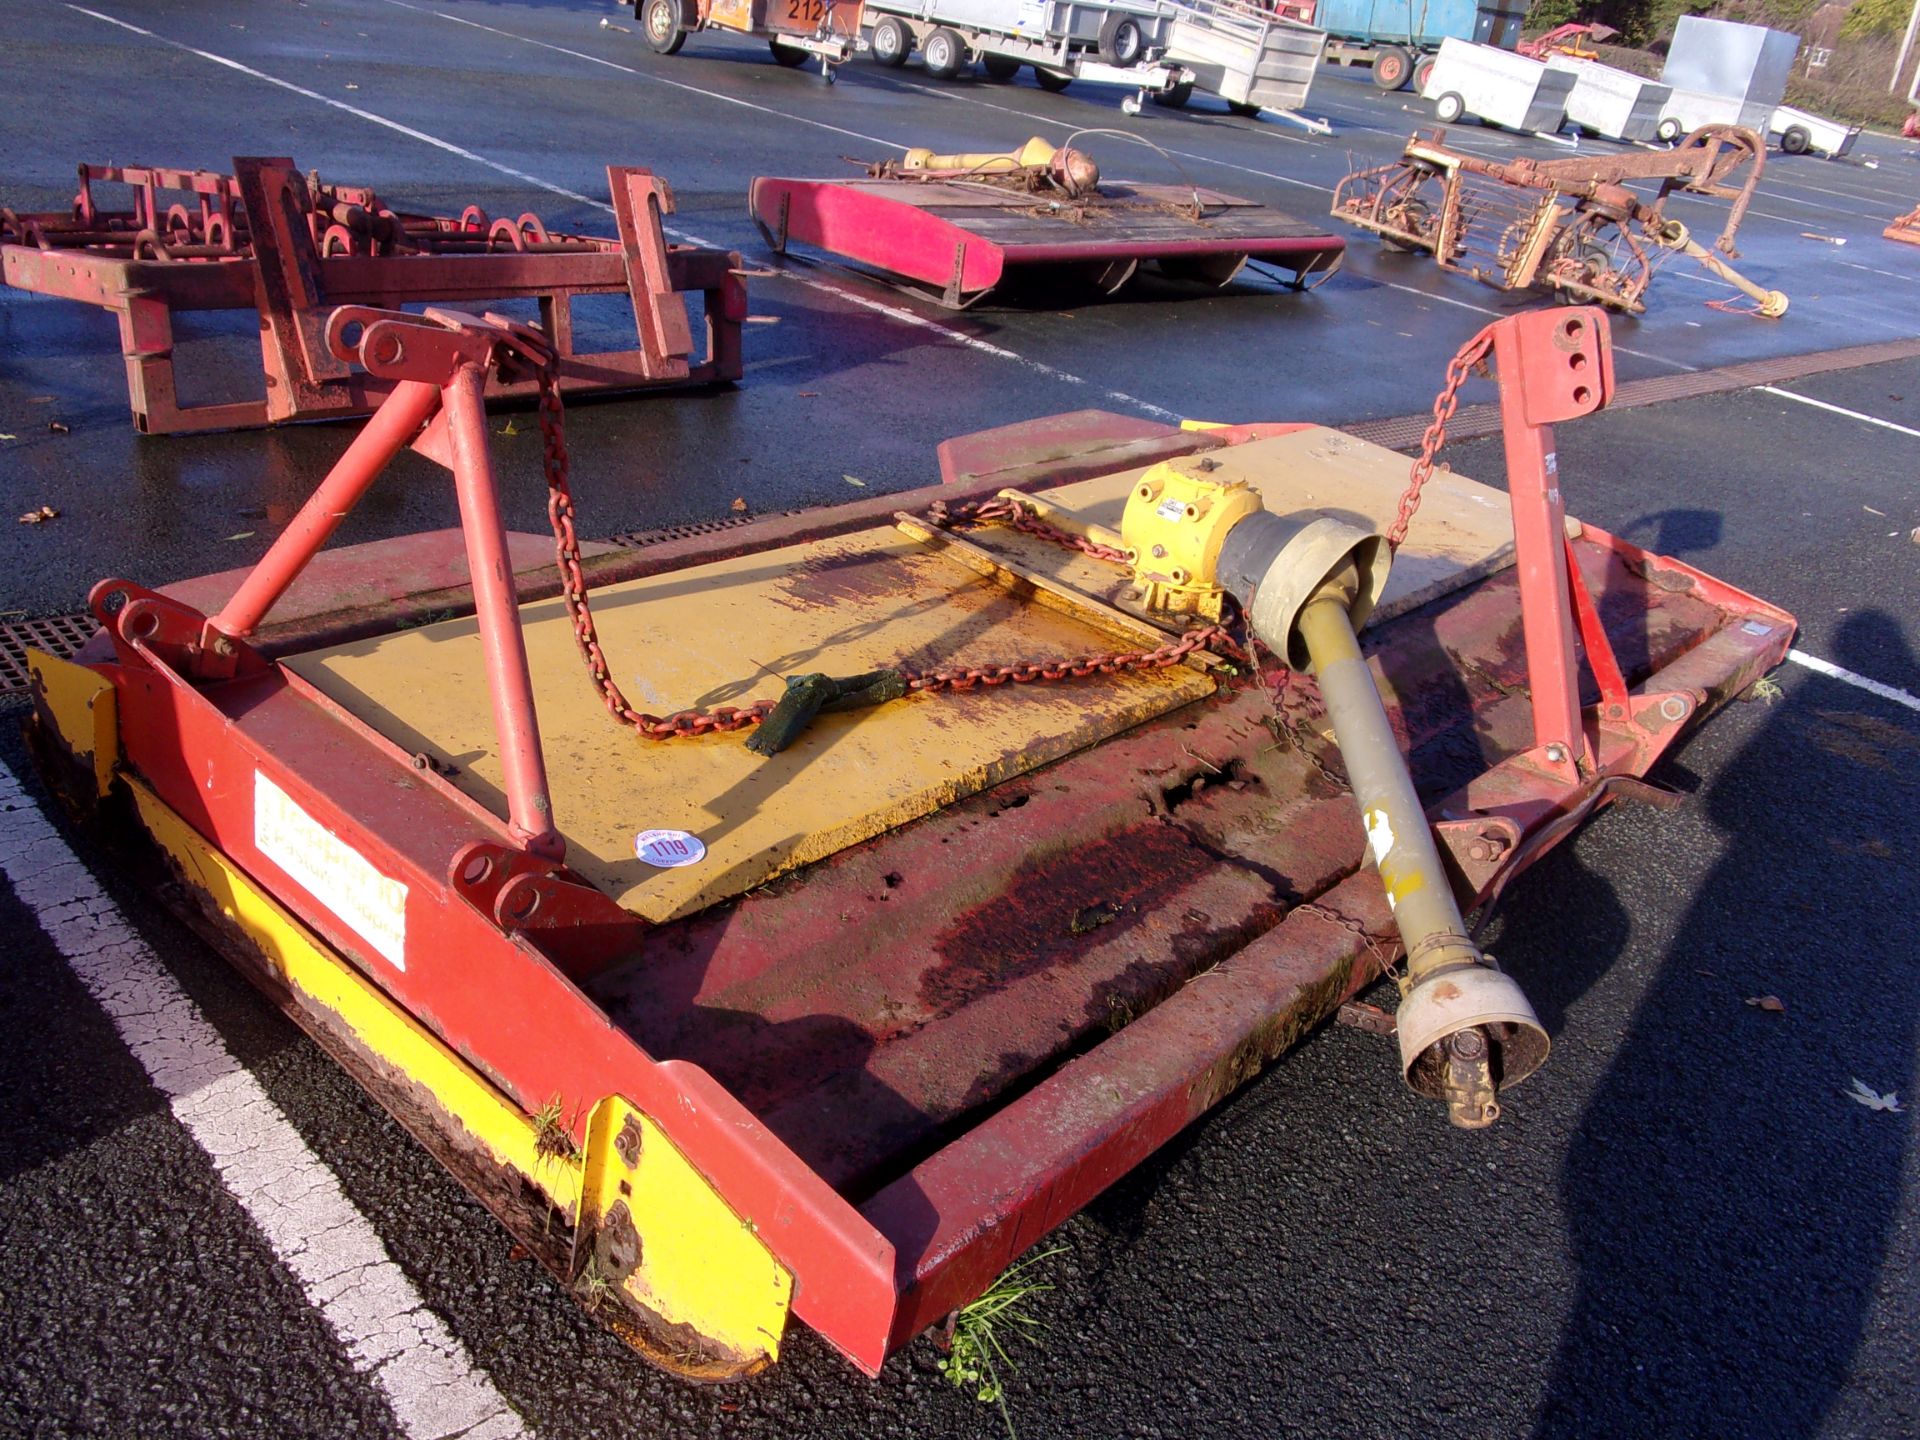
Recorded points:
(1462, 532)
(723, 634)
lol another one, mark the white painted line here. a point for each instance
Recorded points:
(1839, 410)
(390, 1335)
(1876, 270)
(1836, 672)
(645, 75)
(892, 312)
(1497, 314)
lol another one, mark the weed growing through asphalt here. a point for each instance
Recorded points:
(1766, 688)
(977, 1346)
(550, 1138)
(593, 1286)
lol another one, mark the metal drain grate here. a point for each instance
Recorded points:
(60, 635)
(639, 539)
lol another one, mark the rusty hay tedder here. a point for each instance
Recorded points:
(1098, 775)
(954, 227)
(269, 239)
(1573, 226)
(1905, 228)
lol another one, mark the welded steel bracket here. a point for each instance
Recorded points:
(270, 239)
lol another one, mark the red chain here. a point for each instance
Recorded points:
(1469, 357)
(573, 591)
(1021, 516)
(947, 680)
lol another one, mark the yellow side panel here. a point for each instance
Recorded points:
(696, 1263)
(373, 1020)
(79, 704)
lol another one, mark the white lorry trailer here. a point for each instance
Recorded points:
(1164, 49)
(1496, 86)
(1615, 104)
(1118, 41)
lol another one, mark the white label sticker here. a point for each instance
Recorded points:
(332, 871)
(669, 849)
(1171, 509)
(1553, 462)
(1379, 835)
(1756, 627)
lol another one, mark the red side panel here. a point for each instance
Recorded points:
(887, 234)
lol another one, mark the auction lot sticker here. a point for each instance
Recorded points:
(669, 849)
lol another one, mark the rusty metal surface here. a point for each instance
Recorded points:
(1570, 225)
(197, 240)
(1064, 906)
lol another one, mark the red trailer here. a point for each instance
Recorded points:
(956, 227)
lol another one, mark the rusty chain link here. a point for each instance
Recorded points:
(1469, 357)
(1381, 955)
(1023, 517)
(573, 591)
(944, 680)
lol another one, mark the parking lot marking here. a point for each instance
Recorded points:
(339, 1260)
(1875, 270)
(1839, 672)
(893, 312)
(646, 75)
(1839, 410)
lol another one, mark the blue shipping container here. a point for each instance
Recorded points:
(1423, 23)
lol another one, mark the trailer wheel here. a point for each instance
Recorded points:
(1175, 98)
(892, 41)
(1122, 41)
(664, 29)
(1243, 107)
(1051, 80)
(1796, 140)
(1668, 130)
(1449, 107)
(945, 53)
(1000, 67)
(1391, 68)
(1422, 72)
(788, 56)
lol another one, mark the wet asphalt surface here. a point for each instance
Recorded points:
(1679, 1228)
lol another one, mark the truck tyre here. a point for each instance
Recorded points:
(892, 41)
(1051, 80)
(945, 53)
(1122, 41)
(1796, 140)
(787, 55)
(1422, 72)
(1175, 98)
(665, 31)
(1668, 130)
(1449, 107)
(1000, 67)
(1392, 68)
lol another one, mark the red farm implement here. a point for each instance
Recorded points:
(829, 998)
(955, 227)
(1572, 226)
(271, 240)
(1905, 228)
